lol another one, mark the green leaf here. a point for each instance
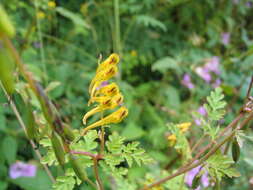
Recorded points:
(9, 148)
(3, 185)
(75, 18)
(52, 85)
(220, 165)
(66, 182)
(215, 111)
(150, 21)
(166, 63)
(40, 182)
(216, 105)
(176, 183)
(132, 131)
(2, 120)
(49, 158)
(115, 143)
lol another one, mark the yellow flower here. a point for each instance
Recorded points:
(41, 15)
(106, 95)
(133, 53)
(109, 90)
(102, 76)
(172, 139)
(184, 126)
(51, 4)
(113, 59)
(114, 117)
(105, 104)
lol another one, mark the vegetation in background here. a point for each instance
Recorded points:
(185, 69)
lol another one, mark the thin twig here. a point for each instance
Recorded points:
(250, 86)
(96, 156)
(213, 149)
(95, 167)
(204, 158)
(204, 149)
(22, 124)
(200, 141)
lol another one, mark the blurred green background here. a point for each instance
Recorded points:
(164, 47)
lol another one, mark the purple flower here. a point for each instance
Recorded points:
(225, 38)
(213, 65)
(204, 74)
(187, 81)
(21, 169)
(248, 4)
(217, 83)
(202, 111)
(192, 173)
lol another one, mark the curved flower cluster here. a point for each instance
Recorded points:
(183, 127)
(106, 96)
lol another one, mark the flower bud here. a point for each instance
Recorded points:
(68, 133)
(58, 148)
(6, 70)
(31, 130)
(77, 167)
(235, 150)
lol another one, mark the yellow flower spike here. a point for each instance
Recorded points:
(113, 59)
(107, 103)
(184, 126)
(101, 77)
(114, 117)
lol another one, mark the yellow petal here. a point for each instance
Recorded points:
(184, 126)
(109, 90)
(105, 104)
(101, 77)
(172, 139)
(113, 59)
(90, 113)
(99, 99)
(114, 117)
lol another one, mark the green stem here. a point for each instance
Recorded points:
(42, 50)
(117, 47)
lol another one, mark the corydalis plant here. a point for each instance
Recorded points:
(110, 153)
(107, 96)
